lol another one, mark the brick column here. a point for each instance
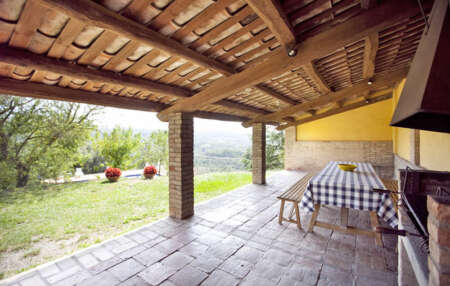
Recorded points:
(259, 154)
(181, 165)
(439, 242)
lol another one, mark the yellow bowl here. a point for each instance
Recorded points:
(347, 167)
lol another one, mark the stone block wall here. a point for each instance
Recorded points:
(439, 242)
(314, 155)
(181, 165)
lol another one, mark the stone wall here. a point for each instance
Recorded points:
(314, 155)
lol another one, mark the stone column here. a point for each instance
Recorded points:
(259, 154)
(439, 242)
(181, 165)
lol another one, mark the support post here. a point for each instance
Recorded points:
(181, 165)
(259, 154)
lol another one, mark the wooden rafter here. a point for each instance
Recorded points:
(380, 82)
(370, 53)
(354, 29)
(43, 91)
(95, 14)
(311, 70)
(24, 58)
(367, 4)
(274, 17)
(376, 97)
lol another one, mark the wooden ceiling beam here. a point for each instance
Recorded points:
(311, 70)
(51, 92)
(44, 91)
(271, 12)
(380, 82)
(28, 59)
(370, 53)
(367, 4)
(95, 14)
(353, 30)
(90, 12)
(377, 97)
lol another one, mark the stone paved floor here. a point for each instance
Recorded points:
(234, 239)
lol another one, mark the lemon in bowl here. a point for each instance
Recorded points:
(347, 167)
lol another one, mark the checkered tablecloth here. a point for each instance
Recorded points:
(335, 187)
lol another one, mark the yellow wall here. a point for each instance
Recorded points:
(369, 123)
(435, 150)
(401, 136)
(434, 146)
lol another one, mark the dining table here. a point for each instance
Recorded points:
(349, 190)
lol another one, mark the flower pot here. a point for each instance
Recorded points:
(149, 176)
(113, 179)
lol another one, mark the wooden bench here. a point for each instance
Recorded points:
(294, 195)
(392, 185)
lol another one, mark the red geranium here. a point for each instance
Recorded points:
(150, 170)
(112, 172)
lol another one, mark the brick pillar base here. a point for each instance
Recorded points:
(181, 165)
(259, 154)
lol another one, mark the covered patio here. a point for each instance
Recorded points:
(285, 63)
(233, 239)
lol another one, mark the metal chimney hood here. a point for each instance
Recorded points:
(425, 99)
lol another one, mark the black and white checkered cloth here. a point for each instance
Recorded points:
(335, 187)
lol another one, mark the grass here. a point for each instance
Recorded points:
(40, 224)
(89, 209)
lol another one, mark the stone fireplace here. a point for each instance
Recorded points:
(426, 261)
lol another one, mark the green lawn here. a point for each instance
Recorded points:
(82, 214)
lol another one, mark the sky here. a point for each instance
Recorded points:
(111, 117)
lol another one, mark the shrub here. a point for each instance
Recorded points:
(112, 172)
(150, 170)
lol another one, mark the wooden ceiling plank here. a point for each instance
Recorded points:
(203, 17)
(95, 14)
(367, 4)
(140, 63)
(69, 33)
(24, 58)
(99, 45)
(353, 30)
(30, 20)
(380, 82)
(244, 45)
(239, 33)
(151, 74)
(277, 95)
(341, 108)
(370, 53)
(271, 12)
(217, 30)
(122, 55)
(170, 12)
(312, 71)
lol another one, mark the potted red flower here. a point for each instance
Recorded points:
(113, 174)
(149, 172)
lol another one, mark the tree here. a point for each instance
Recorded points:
(156, 149)
(39, 139)
(118, 147)
(274, 151)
